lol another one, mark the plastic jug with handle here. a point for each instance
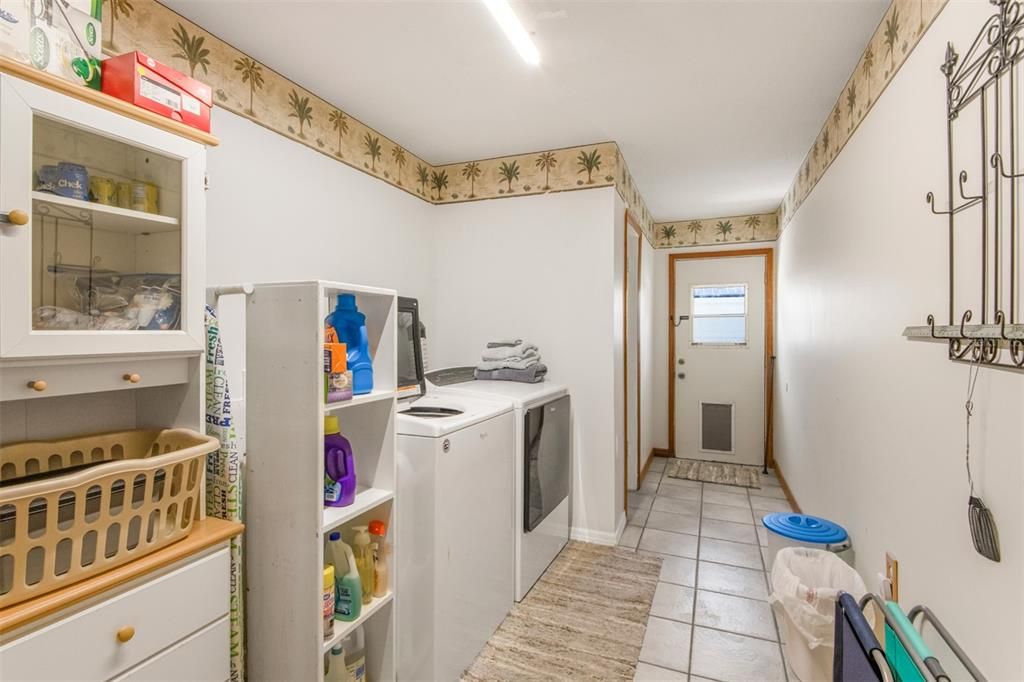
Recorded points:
(350, 325)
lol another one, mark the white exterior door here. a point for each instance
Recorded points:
(719, 358)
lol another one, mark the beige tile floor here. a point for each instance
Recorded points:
(710, 619)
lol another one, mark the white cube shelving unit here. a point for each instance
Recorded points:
(286, 521)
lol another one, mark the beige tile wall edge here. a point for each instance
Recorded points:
(255, 91)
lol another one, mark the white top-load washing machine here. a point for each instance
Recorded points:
(543, 464)
(454, 506)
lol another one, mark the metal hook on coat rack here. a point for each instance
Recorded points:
(676, 323)
(997, 163)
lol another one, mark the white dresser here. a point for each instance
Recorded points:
(167, 623)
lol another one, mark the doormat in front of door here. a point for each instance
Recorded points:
(714, 472)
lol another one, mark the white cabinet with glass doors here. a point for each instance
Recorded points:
(101, 231)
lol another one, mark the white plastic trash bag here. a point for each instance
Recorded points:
(806, 584)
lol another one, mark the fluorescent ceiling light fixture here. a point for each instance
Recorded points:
(514, 31)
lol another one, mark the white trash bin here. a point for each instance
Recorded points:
(789, 529)
(805, 587)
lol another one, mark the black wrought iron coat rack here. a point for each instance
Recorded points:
(985, 324)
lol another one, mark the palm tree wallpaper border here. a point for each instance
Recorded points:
(758, 227)
(901, 28)
(253, 90)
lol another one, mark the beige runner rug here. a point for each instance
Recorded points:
(714, 472)
(585, 618)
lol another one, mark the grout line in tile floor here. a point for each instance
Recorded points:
(653, 489)
(696, 578)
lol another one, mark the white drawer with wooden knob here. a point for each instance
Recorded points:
(20, 382)
(115, 635)
(200, 658)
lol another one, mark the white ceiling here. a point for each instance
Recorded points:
(714, 102)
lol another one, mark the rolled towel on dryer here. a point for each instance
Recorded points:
(531, 375)
(506, 352)
(504, 343)
(529, 360)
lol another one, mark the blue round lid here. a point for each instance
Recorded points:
(805, 528)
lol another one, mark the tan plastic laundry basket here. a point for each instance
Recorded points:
(74, 508)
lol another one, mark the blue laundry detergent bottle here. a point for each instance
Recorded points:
(350, 325)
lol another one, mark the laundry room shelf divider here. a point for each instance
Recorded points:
(286, 521)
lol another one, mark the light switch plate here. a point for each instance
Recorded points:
(892, 574)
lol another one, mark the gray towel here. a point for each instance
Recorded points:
(502, 343)
(504, 352)
(530, 375)
(528, 359)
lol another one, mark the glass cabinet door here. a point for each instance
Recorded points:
(106, 233)
(110, 260)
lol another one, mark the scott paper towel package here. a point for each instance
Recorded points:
(62, 37)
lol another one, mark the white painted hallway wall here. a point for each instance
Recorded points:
(546, 267)
(303, 217)
(869, 425)
(549, 269)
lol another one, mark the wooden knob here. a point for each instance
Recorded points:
(17, 217)
(37, 385)
(133, 378)
(125, 634)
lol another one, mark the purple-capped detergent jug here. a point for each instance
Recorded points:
(339, 466)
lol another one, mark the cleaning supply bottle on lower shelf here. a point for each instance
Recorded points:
(355, 655)
(350, 325)
(348, 590)
(364, 560)
(334, 665)
(339, 466)
(380, 558)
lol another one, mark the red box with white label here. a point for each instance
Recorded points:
(145, 82)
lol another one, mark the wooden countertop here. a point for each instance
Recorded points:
(207, 533)
(28, 73)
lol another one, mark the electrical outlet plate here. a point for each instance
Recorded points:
(892, 574)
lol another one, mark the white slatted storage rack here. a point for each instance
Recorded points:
(286, 520)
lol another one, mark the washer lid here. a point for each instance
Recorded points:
(438, 413)
(522, 395)
(805, 528)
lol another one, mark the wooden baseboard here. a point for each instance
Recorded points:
(647, 467)
(785, 488)
(662, 452)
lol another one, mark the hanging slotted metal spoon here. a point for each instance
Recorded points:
(984, 532)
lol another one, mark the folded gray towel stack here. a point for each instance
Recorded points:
(531, 375)
(511, 360)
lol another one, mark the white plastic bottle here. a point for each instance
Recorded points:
(355, 655)
(335, 670)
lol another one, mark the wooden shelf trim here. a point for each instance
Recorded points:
(32, 75)
(207, 533)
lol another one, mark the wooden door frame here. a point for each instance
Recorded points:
(769, 329)
(630, 222)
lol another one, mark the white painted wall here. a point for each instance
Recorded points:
(543, 268)
(870, 426)
(277, 210)
(660, 320)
